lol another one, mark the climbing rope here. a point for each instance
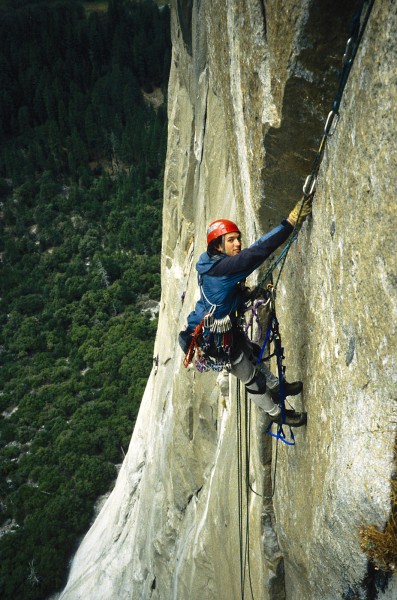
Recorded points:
(273, 335)
(357, 30)
(240, 487)
(244, 491)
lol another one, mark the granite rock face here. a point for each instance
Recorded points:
(250, 89)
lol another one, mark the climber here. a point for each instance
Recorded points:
(222, 271)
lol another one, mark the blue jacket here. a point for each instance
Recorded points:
(219, 276)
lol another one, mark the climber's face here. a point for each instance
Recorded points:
(231, 243)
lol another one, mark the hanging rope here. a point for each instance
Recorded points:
(240, 488)
(357, 30)
(243, 490)
(248, 488)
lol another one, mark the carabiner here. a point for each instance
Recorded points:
(348, 51)
(271, 290)
(331, 123)
(310, 185)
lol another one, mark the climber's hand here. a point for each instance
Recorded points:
(299, 212)
(246, 292)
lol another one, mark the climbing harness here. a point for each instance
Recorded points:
(212, 340)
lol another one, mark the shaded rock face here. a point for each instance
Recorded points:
(250, 88)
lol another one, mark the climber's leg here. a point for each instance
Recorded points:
(252, 351)
(255, 384)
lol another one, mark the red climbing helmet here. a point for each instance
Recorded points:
(220, 227)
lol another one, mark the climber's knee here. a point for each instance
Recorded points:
(256, 389)
(257, 385)
(242, 368)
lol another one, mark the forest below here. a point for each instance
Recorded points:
(82, 151)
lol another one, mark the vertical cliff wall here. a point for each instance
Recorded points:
(250, 87)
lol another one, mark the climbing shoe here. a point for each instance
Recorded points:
(292, 418)
(290, 389)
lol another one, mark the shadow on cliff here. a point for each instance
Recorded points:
(307, 99)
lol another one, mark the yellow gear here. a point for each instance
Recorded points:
(301, 210)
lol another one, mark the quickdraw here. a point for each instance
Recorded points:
(211, 336)
(256, 305)
(193, 346)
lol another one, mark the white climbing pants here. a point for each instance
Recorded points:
(256, 383)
